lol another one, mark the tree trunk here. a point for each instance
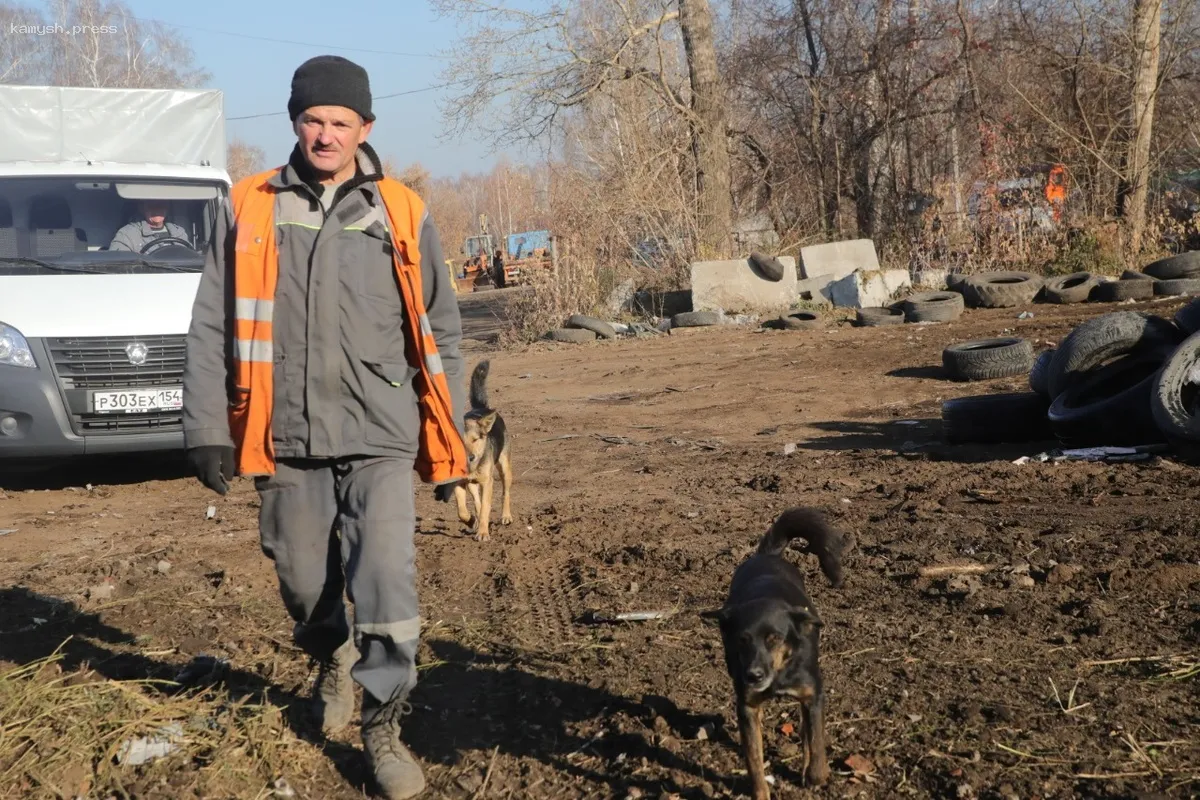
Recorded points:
(714, 203)
(828, 189)
(1147, 21)
(955, 161)
(874, 173)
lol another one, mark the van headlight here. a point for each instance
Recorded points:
(14, 350)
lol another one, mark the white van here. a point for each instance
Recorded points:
(92, 337)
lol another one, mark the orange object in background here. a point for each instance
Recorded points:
(1056, 189)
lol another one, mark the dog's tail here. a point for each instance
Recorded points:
(809, 524)
(479, 398)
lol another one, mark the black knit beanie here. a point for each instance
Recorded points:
(330, 81)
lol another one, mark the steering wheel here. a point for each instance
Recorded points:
(165, 241)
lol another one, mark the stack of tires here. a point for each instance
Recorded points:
(1175, 276)
(920, 307)
(581, 329)
(1126, 378)
(1130, 286)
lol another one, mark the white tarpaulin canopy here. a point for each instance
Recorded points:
(132, 126)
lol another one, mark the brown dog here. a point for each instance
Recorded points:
(770, 631)
(488, 453)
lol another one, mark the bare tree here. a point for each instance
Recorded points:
(97, 43)
(115, 49)
(21, 58)
(244, 159)
(1147, 32)
(714, 209)
(414, 176)
(558, 66)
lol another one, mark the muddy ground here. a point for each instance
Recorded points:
(646, 470)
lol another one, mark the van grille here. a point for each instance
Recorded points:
(101, 362)
(85, 364)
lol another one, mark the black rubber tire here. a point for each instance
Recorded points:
(767, 267)
(1039, 373)
(1104, 338)
(1132, 275)
(933, 307)
(996, 418)
(801, 321)
(874, 317)
(1184, 265)
(986, 359)
(1117, 291)
(596, 326)
(954, 281)
(1177, 287)
(1073, 288)
(695, 319)
(1187, 319)
(1110, 407)
(1175, 400)
(571, 335)
(1001, 289)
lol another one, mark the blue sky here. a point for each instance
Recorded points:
(256, 75)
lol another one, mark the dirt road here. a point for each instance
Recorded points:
(646, 470)
(483, 312)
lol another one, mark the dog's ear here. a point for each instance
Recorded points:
(487, 421)
(805, 620)
(718, 614)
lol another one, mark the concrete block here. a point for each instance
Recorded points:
(814, 290)
(620, 299)
(869, 289)
(733, 287)
(932, 279)
(838, 259)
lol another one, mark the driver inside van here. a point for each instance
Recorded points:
(153, 225)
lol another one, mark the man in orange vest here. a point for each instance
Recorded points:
(323, 361)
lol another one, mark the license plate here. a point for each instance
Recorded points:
(138, 401)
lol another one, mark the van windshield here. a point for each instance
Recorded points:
(51, 225)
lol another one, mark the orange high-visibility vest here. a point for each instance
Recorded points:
(441, 453)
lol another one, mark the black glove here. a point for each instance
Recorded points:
(444, 492)
(213, 465)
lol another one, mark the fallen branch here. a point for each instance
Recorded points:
(936, 570)
(615, 439)
(599, 617)
(1133, 660)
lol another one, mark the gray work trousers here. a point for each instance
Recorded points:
(369, 501)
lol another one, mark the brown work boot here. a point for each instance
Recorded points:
(396, 771)
(333, 696)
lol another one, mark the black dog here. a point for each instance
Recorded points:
(771, 631)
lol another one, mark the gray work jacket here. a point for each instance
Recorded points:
(342, 384)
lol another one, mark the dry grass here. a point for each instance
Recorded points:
(1161, 668)
(61, 735)
(554, 297)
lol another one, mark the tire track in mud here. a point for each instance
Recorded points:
(528, 617)
(549, 595)
(533, 609)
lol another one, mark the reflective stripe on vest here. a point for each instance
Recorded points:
(441, 454)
